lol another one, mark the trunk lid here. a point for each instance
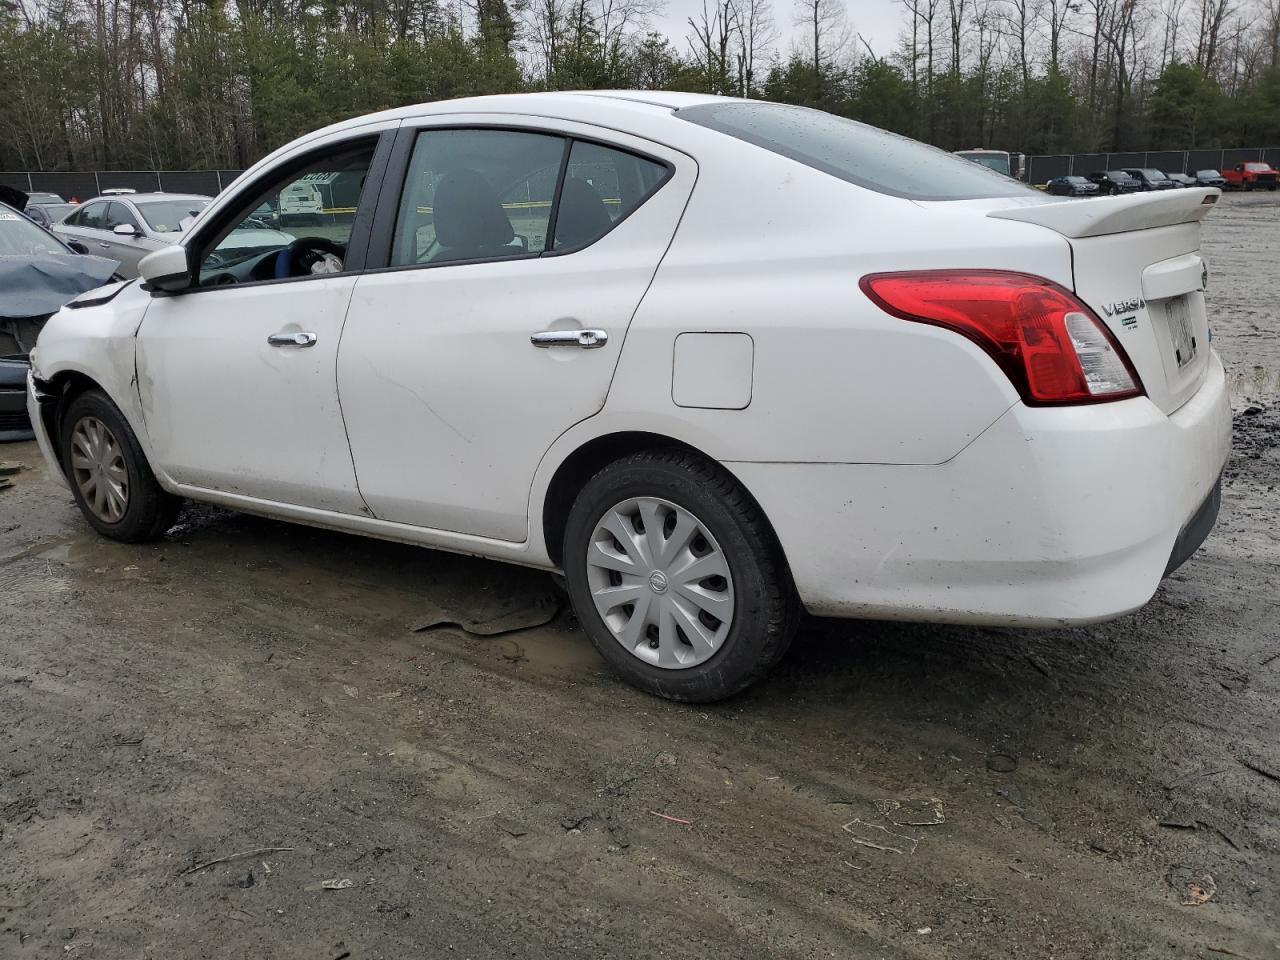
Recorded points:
(1136, 262)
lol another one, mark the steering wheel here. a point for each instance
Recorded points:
(308, 255)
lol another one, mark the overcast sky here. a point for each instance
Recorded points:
(879, 21)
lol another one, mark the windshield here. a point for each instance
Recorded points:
(1208, 173)
(855, 152)
(20, 237)
(997, 163)
(1257, 167)
(166, 216)
(42, 198)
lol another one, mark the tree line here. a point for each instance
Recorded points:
(198, 84)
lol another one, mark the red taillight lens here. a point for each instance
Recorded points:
(1050, 345)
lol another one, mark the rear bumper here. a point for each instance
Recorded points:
(1051, 516)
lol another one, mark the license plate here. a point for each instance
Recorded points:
(1180, 331)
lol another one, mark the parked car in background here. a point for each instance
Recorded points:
(1071, 187)
(552, 333)
(1150, 178)
(38, 197)
(38, 274)
(1209, 178)
(1181, 180)
(1252, 176)
(1112, 182)
(47, 214)
(128, 227)
(300, 203)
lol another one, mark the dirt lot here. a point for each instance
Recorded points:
(247, 684)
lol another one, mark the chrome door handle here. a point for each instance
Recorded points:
(587, 339)
(292, 339)
(104, 246)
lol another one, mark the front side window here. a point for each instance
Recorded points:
(855, 152)
(310, 211)
(117, 214)
(93, 215)
(476, 195)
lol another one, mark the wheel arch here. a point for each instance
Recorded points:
(591, 456)
(58, 390)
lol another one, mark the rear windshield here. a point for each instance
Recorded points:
(166, 216)
(855, 152)
(1208, 173)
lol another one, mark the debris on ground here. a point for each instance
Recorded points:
(575, 821)
(502, 615)
(1194, 888)
(235, 856)
(880, 838)
(912, 813)
(1001, 763)
(9, 467)
(671, 819)
(336, 884)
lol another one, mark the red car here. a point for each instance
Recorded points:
(1252, 176)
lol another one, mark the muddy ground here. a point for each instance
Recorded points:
(247, 684)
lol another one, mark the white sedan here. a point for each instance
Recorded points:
(716, 360)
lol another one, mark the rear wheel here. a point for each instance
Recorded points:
(677, 577)
(110, 478)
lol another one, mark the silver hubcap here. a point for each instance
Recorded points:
(99, 469)
(660, 582)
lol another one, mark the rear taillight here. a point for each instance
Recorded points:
(1049, 344)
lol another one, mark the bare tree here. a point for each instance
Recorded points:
(753, 22)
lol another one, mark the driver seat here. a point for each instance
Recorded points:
(469, 220)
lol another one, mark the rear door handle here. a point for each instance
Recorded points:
(586, 339)
(292, 339)
(104, 246)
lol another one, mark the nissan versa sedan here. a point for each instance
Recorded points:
(718, 361)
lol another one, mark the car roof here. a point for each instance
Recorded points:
(146, 197)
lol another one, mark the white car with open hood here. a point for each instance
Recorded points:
(716, 360)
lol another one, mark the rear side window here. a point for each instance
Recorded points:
(855, 152)
(477, 195)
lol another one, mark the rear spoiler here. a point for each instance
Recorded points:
(1098, 216)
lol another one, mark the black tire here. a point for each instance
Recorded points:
(149, 510)
(767, 610)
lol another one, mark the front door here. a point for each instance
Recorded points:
(236, 375)
(501, 237)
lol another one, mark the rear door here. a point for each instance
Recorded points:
(496, 235)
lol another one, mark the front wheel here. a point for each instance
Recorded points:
(677, 577)
(110, 478)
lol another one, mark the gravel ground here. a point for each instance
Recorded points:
(251, 690)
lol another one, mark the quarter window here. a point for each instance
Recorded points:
(601, 186)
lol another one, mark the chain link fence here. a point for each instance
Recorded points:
(1041, 169)
(82, 186)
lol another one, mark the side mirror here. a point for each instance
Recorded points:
(125, 230)
(78, 247)
(166, 269)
